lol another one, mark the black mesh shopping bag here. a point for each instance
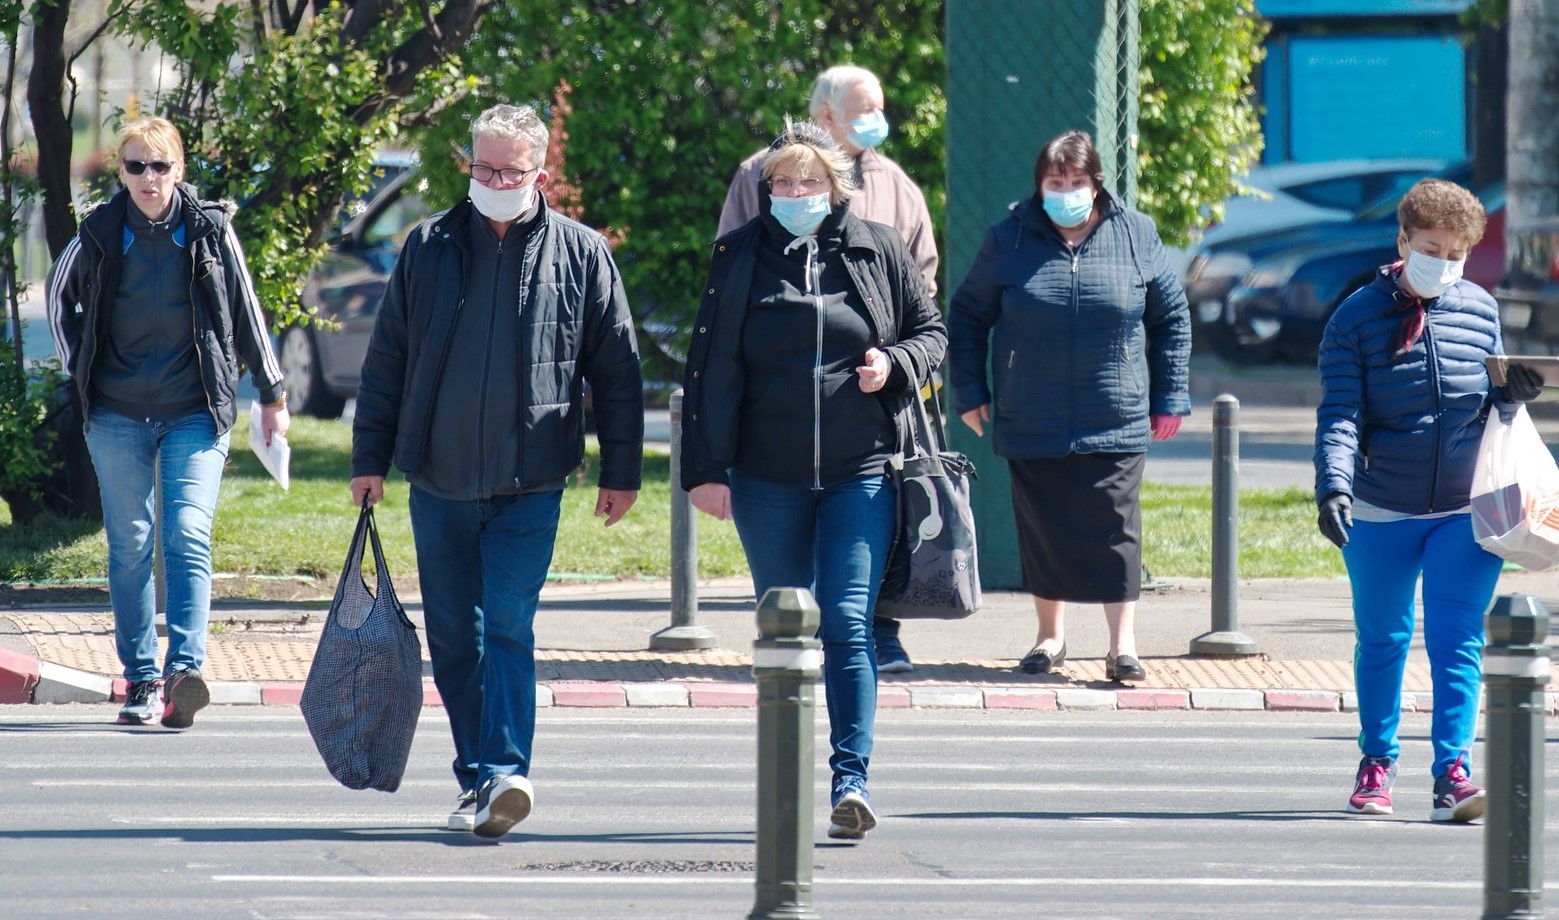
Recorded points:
(364, 691)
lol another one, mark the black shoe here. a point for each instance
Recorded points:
(1123, 668)
(184, 693)
(1040, 661)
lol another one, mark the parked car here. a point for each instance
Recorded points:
(1289, 283)
(1216, 269)
(1297, 194)
(1529, 293)
(322, 366)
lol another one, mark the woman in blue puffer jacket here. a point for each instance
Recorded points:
(1072, 304)
(1404, 399)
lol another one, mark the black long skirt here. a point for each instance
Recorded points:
(1080, 526)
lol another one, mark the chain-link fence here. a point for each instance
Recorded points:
(1018, 74)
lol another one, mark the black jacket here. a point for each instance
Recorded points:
(885, 277)
(575, 328)
(228, 324)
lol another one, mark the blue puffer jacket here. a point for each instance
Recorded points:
(1403, 433)
(1086, 348)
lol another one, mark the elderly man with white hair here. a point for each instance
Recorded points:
(481, 405)
(848, 102)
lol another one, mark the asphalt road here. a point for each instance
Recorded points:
(649, 814)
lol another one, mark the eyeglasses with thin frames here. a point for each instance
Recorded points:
(508, 176)
(809, 186)
(137, 167)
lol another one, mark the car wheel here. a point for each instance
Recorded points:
(304, 378)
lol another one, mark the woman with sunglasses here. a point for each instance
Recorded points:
(152, 309)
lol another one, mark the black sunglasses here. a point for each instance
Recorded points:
(136, 167)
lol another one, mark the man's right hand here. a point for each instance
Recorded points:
(1336, 518)
(712, 498)
(367, 488)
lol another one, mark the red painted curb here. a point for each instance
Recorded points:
(893, 698)
(1302, 700)
(723, 695)
(18, 676)
(1158, 698)
(1020, 698)
(569, 693)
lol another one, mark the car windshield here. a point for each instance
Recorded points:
(1386, 207)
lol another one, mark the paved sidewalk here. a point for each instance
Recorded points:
(594, 650)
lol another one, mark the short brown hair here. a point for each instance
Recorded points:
(1074, 149)
(1435, 204)
(157, 133)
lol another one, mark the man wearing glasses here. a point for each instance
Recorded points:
(497, 313)
(848, 102)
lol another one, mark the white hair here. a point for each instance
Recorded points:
(834, 82)
(515, 123)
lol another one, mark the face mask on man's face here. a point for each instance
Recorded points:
(1430, 277)
(869, 130)
(501, 204)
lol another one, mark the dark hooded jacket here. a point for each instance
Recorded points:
(743, 411)
(227, 324)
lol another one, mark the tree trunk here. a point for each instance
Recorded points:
(1533, 132)
(70, 490)
(50, 123)
(1493, 76)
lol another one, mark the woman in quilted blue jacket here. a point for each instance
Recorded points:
(1072, 305)
(1404, 399)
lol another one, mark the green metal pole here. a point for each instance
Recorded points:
(1516, 667)
(787, 661)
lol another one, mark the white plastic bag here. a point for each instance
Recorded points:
(1515, 493)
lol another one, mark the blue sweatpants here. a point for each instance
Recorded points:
(1384, 563)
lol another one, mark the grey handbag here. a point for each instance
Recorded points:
(932, 571)
(364, 690)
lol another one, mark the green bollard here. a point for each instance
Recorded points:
(786, 662)
(1516, 665)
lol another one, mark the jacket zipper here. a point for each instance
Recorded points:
(487, 369)
(815, 289)
(1439, 443)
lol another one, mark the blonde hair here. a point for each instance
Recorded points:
(157, 133)
(1435, 204)
(801, 144)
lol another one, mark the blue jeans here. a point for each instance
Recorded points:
(1384, 562)
(127, 454)
(835, 543)
(482, 565)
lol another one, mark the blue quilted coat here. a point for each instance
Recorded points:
(1082, 349)
(1402, 433)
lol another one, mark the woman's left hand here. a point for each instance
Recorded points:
(274, 420)
(874, 373)
(1165, 426)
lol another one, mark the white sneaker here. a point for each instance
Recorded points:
(463, 818)
(142, 706)
(501, 804)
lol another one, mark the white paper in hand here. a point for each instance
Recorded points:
(274, 458)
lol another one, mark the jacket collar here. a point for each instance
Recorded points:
(105, 222)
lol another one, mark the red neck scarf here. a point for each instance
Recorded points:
(1412, 327)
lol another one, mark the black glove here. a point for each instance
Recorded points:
(1336, 517)
(1522, 384)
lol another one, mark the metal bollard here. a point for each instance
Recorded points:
(1225, 637)
(1516, 666)
(684, 633)
(786, 661)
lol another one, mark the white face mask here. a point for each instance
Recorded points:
(1430, 277)
(501, 204)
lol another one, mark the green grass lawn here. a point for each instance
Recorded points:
(261, 530)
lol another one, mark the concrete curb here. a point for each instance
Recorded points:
(27, 680)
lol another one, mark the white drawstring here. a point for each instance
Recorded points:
(811, 244)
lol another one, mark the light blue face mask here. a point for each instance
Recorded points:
(1069, 209)
(800, 216)
(868, 131)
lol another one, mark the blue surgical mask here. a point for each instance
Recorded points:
(869, 130)
(1069, 209)
(800, 216)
